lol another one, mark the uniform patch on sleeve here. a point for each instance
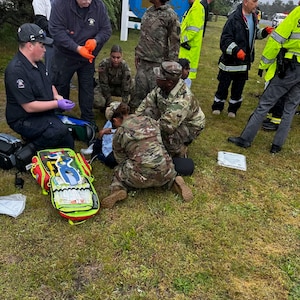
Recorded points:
(20, 84)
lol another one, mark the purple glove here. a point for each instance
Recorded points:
(65, 104)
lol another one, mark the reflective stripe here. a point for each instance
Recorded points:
(295, 36)
(219, 100)
(235, 101)
(232, 68)
(267, 61)
(193, 28)
(294, 53)
(193, 70)
(277, 37)
(230, 48)
(276, 120)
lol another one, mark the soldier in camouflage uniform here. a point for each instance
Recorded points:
(173, 105)
(143, 161)
(159, 41)
(114, 79)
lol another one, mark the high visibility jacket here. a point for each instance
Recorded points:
(192, 32)
(286, 35)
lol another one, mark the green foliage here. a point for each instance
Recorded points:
(221, 7)
(277, 6)
(17, 12)
(114, 8)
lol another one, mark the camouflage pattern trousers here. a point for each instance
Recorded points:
(131, 176)
(145, 81)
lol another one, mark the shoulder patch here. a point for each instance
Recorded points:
(20, 84)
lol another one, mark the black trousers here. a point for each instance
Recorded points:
(44, 132)
(62, 71)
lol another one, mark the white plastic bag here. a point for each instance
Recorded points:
(12, 205)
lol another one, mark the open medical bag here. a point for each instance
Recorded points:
(81, 130)
(67, 176)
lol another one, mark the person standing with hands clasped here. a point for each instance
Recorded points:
(237, 46)
(79, 28)
(284, 82)
(31, 98)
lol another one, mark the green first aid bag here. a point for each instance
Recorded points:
(67, 176)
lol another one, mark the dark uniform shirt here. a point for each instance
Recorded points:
(25, 83)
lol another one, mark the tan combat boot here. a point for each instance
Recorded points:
(182, 189)
(112, 199)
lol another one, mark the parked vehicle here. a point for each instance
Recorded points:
(277, 19)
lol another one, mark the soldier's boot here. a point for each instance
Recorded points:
(113, 198)
(182, 189)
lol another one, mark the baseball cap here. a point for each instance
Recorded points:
(111, 109)
(168, 70)
(30, 32)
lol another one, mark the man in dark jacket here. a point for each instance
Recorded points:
(237, 46)
(79, 28)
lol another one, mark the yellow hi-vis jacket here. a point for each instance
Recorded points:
(192, 27)
(286, 35)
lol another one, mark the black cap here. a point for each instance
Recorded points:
(30, 32)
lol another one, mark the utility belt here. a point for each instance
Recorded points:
(283, 64)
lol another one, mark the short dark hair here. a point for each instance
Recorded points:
(185, 63)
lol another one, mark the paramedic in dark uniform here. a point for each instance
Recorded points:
(31, 98)
(79, 28)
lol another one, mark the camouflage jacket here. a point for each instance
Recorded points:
(160, 35)
(138, 142)
(110, 78)
(179, 107)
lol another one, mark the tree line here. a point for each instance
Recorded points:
(17, 12)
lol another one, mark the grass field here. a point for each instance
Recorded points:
(238, 239)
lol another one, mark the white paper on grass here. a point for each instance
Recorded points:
(232, 160)
(12, 205)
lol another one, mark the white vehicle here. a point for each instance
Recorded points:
(277, 19)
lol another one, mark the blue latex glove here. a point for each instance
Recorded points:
(65, 104)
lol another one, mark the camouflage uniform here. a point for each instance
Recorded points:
(159, 41)
(180, 116)
(113, 82)
(142, 159)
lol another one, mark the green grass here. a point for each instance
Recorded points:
(238, 239)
